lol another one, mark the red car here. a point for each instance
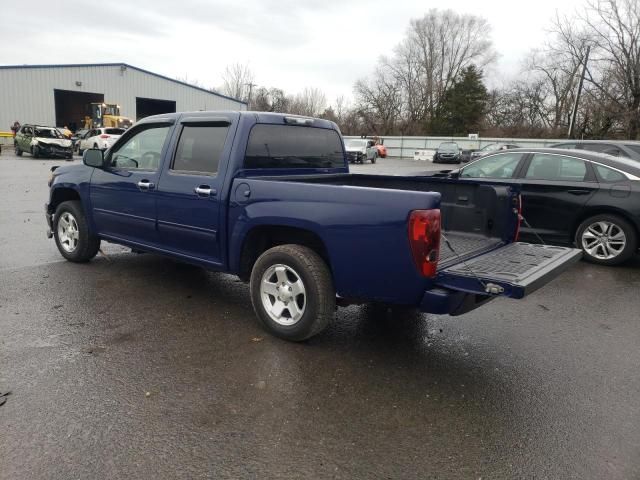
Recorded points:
(382, 150)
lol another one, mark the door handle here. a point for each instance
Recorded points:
(204, 191)
(579, 192)
(146, 185)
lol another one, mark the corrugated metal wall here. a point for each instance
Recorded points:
(26, 94)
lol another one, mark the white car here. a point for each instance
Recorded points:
(359, 150)
(100, 138)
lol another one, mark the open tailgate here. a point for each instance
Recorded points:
(514, 270)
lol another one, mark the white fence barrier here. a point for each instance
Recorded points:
(407, 147)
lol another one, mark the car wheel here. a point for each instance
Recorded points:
(71, 233)
(35, 151)
(292, 292)
(95, 145)
(18, 151)
(607, 239)
(80, 152)
(374, 158)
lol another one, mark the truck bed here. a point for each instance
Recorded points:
(474, 216)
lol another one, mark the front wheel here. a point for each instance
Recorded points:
(71, 233)
(607, 239)
(18, 151)
(292, 292)
(35, 151)
(374, 158)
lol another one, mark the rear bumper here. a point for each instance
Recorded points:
(443, 301)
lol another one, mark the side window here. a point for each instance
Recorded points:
(200, 148)
(142, 150)
(501, 165)
(288, 146)
(556, 167)
(606, 174)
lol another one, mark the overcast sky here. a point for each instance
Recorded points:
(289, 44)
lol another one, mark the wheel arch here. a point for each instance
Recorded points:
(63, 194)
(602, 210)
(261, 238)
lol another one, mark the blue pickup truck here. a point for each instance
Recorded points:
(269, 197)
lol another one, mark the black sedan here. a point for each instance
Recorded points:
(570, 197)
(447, 152)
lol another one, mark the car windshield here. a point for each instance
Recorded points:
(48, 133)
(448, 147)
(114, 131)
(355, 143)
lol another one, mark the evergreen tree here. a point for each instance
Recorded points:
(463, 105)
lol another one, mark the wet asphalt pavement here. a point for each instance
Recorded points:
(135, 366)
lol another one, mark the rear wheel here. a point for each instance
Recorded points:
(17, 150)
(292, 292)
(71, 233)
(374, 158)
(607, 239)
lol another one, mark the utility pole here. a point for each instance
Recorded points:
(574, 112)
(250, 85)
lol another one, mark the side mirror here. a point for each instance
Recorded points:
(93, 158)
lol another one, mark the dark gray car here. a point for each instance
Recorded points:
(625, 149)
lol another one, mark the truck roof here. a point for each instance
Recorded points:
(260, 117)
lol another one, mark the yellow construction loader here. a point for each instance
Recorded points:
(106, 115)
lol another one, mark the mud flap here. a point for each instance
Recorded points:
(514, 271)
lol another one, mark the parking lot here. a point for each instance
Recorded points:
(136, 366)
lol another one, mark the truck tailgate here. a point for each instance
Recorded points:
(515, 270)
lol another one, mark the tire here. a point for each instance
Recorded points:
(35, 151)
(607, 239)
(18, 151)
(292, 266)
(374, 158)
(82, 247)
(80, 152)
(95, 145)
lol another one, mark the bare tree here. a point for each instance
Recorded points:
(310, 102)
(406, 90)
(238, 82)
(379, 101)
(615, 28)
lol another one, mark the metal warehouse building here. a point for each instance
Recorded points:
(60, 95)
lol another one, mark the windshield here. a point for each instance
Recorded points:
(448, 147)
(355, 143)
(111, 110)
(48, 133)
(490, 147)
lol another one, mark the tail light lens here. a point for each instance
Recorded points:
(517, 207)
(104, 136)
(424, 238)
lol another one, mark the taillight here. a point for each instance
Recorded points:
(517, 201)
(424, 238)
(104, 136)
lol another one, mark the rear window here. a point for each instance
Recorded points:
(287, 146)
(114, 131)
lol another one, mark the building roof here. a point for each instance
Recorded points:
(126, 65)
